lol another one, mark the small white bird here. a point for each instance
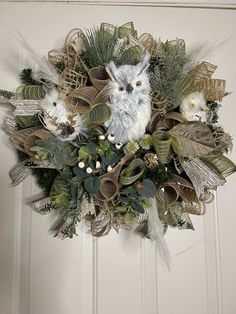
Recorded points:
(194, 107)
(58, 119)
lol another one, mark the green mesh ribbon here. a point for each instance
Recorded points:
(133, 172)
(30, 92)
(162, 141)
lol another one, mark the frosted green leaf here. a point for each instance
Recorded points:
(99, 114)
(192, 139)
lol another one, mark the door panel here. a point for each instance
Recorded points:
(119, 273)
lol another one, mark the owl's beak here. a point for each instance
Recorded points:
(129, 88)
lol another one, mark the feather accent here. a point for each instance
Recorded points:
(47, 71)
(155, 232)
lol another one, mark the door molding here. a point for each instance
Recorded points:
(152, 3)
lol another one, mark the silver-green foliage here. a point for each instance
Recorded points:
(169, 79)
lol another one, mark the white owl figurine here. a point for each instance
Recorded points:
(58, 119)
(129, 101)
(194, 107)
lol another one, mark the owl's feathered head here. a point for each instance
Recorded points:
(129, 81)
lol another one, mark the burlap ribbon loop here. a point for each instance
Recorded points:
(109, 182)
(83, 98)
(71, 80)
(19, 137)
(72, 49)
(30, 141)
(168, 192)
(68, 58)
(153, 122)
(203, 71)
(75, 39)
(171, 119)
(186, 189)
(56, 56)
(213, 89)
(148, 42)
(99, 77)
(177, 187)
(158, 101)
(195, 208)
(157, 122)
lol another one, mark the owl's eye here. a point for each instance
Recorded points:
(121, 88)
(54, 103)
(138, 83)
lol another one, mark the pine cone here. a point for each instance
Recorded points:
(151, 160)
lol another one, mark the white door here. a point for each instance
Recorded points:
(121, 273)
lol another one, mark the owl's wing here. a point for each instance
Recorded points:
(119, 125)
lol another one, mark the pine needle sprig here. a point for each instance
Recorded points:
(99, 45)
(26, 77)
(6, 94)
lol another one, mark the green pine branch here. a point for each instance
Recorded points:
(6, 94)
(26, 77)
(99, 45)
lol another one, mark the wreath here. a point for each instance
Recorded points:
(119, 130)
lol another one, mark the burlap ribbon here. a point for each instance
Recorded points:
(80, 97)
(109, 182)
(166, 122)
(69, 59)
(195, 208)
(177, 187)
(198, 207)
(73, 47)
(213, 89)
(25, 139)
(71, 81)
(148, 42)
(30, 140)
(84, 97)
